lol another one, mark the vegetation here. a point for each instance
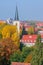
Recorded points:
(28, 58)
(16, 56)
(7, 48)
(20, 56)
(24, 32)
(25, 52)
(11, 50)
(9, 42)
(37, 58)
(31, 30)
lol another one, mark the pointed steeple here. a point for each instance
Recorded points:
(16, 14)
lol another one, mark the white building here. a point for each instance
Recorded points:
(15, 21)
(18, 25)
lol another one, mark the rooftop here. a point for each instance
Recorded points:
(19, 63)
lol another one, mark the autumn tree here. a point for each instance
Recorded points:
(37, 58)
(16, 38)
(7, 48)
(2, 25)
(8, 30)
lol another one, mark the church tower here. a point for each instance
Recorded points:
(16, 14)
(16, 20)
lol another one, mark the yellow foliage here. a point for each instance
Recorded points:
(15, 38)
(0, 31)
(8, 35)
(2, 26)
(8, 30)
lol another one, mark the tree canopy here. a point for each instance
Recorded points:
(37, 58)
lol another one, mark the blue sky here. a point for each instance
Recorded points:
(28, 9)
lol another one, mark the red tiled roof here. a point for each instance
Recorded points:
(18, 63)
(30, 38)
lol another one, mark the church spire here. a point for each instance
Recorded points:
(16, 14)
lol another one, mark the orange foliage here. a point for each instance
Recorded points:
(7, 47)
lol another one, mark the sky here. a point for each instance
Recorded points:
(27, 9)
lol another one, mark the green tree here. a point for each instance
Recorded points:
(37, 58)
(21, 46)
(25, 51)
(15, 57)
(19, 56)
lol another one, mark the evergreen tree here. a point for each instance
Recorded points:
(21, 46)
(24, 32)
(38, 53)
